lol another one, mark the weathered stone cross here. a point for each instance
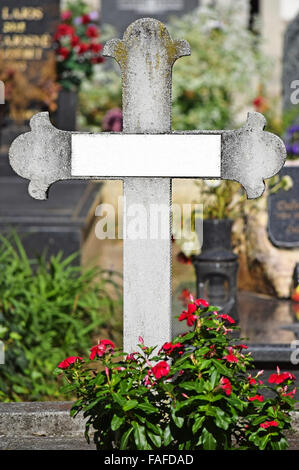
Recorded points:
(146, 156)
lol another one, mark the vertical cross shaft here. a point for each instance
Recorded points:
(146, 56)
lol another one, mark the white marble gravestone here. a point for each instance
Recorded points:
(147, 155)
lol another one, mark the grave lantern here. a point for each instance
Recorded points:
(216, 267)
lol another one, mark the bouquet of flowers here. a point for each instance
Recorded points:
(77, 45)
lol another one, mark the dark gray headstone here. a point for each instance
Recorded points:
(26, 32)
(283, 213)
(121, 13)
(291, 65)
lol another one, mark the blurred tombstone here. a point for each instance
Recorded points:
(120, 13)
(26, 50)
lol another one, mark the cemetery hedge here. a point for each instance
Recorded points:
(46, 307)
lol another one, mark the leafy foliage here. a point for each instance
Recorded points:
(195, 393)
(45, 308)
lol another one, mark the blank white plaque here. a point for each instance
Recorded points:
(146, 155)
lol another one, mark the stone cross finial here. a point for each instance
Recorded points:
(147, 156)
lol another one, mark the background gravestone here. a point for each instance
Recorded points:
(59, 224)
(120, 13)
(283, 212)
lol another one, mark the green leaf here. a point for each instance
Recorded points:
(130, 404)
(140, 436)
(148, 408)
(125, 439)
(156, 440)
(167, 438)
(197, 424)
(178, 420)
(116, 422)
(214, 378)
(208, 440)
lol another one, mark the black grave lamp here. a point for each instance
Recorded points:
(217, 267)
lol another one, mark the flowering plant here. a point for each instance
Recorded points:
(193, 393)
(77, 45)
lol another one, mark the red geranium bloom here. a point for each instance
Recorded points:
(105, 345)
(92, 31)
(189, 315)
(256, 397)
(230, 357)
(69, 361)
(227, 318)
(201, 303)
(226, 385)
(160, 370)
(85, 19)
(280, 377)
(63, 52)
(268, 424)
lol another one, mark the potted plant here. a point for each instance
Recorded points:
(77, 50)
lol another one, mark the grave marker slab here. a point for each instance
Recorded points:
(283, 213)
(247, 155)
(120, 13)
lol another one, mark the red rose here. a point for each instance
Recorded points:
(69, 361)
(75, 41)
(85, 19)
(63, 52)
(160, 370)
(104, 346)
(96, 48)
(92, 31)
(256, 397)
(66, 15)
(82, 48)
(268, 424)
(226, 385)
(63, 30)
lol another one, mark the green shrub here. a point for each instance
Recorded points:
(46, 308)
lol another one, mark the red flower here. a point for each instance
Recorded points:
(268, 424)
(230, 357)
(85, 19)
(96, 48)
(251, 381)
(131, 357)
(75, 41)
(66, 15)
(226, 385)
(63, 52)
(201, 303)
(280, 377)
(69, 361)
(63, 30)
(227, 318)
(105, 345)
(168, 348)
(241, 346)
(256, 397)
(82, 48)
(185, 296)
(92, 31)
(160, 370)
(260, 104)
(189, 315)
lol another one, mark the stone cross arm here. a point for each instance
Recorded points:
(247, 155)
